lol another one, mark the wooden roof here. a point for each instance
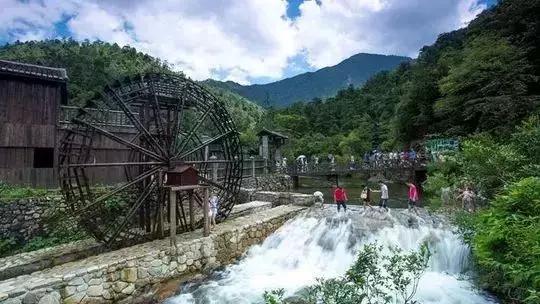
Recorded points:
(271, 133)
(32, 71)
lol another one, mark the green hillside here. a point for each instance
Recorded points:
(325, 82)
(91, 65)
(483, 78)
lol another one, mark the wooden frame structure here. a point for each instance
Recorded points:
(169, 114)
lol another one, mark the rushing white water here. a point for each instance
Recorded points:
(307, 248)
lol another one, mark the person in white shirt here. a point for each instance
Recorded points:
(384, 195)
(213, 203)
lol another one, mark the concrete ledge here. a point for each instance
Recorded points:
(123, 275)
(284, 198)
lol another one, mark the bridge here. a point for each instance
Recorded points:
(389, 169)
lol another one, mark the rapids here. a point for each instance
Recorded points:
(323, 245)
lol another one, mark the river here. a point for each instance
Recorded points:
(314, 246)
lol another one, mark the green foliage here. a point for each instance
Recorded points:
(487, 89)
(506, 244)
(504, 235)
(274, 296)
(7, 246)
(375, 277)
(488, 164)
(11, 192)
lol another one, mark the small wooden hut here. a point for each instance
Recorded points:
(270, 143)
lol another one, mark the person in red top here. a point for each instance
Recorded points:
(413, 196)
(340, 198)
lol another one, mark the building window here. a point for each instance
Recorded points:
(43, 157)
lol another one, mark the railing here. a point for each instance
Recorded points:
(328, 168)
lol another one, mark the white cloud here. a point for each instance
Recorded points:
(334, 30)
(32, 19)
(242, 40)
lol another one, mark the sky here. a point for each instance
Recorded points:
(246, 41)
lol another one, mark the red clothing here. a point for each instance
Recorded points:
(413, 193)
(340, 195)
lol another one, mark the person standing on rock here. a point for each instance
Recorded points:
(366, 196)
(413, 197)
(384, 195)
(340, 198)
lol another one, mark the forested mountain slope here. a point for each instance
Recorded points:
(322, 83)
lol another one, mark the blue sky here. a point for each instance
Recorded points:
(254, 41)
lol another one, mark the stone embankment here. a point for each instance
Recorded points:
(23, 219)
(132, 273)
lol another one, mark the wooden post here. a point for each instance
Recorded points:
(161, 205)
(191, 211)
(266, 166)
(172, 216)
(252, 166)
(206, 229)
(214, 168)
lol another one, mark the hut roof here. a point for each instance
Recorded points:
(271, 133)
(33, 71)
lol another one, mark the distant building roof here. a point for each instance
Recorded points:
(271, 133)
(31, 70)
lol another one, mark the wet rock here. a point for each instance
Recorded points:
(50, 298)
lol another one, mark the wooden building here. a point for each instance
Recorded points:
(30, 99)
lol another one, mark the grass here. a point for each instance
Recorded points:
(11, 192)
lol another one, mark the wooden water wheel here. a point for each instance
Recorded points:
(115, 154)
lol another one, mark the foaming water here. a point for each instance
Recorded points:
(308, 248)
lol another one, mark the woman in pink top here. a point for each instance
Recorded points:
(413, 196)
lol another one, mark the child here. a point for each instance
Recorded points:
(213, 204)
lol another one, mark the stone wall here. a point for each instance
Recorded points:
(268, 182)
(24, 219)
(128, 274)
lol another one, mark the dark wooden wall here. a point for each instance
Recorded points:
(28, 120)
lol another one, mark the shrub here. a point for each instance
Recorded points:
(507, 244)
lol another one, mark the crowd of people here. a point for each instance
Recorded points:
(378, 158)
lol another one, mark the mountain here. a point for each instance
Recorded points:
(323, 83)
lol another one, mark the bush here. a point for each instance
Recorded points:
(507, 243)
